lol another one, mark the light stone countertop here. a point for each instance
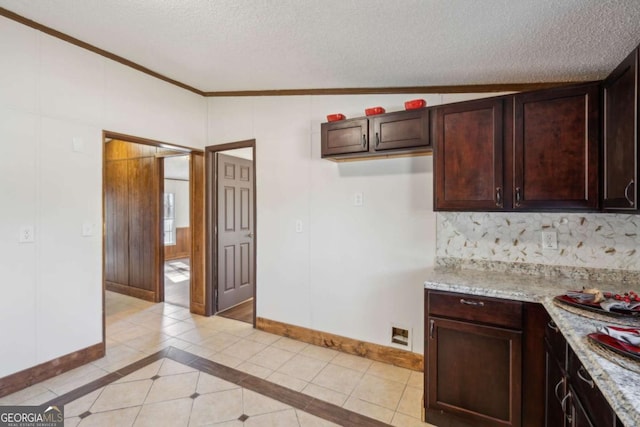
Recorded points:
(620, 386)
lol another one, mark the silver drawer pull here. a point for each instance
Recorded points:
(475, 303)
(582, 374)
(552, 325)
(556, 389)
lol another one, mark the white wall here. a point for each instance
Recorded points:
(352, 270)
(50, 93)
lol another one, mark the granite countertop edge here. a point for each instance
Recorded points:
(620, 386)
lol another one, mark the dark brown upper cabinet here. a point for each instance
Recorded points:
(398, 133)
(468, 156)
(620, 137)
(555, 160)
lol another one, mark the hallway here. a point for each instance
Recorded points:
(337, 382)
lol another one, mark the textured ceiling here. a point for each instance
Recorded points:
(229, 45)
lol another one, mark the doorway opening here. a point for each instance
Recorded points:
(176, 231)
(142, 210)
(231, 219)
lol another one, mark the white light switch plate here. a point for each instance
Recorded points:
(26, 234)
(549, 240)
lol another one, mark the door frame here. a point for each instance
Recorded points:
(211, 200)
(195, 193)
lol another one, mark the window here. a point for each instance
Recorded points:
(169, 219)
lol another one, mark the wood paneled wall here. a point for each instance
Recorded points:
(133, 202)
(199, 302)
(182, 248)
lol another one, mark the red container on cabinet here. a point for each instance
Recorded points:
(373, 111)
(335, 117)
(414, 104)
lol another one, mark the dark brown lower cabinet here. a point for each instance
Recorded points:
(473, 361)
(478, 371)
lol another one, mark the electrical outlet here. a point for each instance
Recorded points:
(358, 199)
(298, 226)
(26, 234)
(549, 240)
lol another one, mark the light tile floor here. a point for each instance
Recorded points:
(136, 328)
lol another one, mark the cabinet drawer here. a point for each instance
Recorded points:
(493, 311)
(590, 396)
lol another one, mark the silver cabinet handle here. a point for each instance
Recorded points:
(552, 325)
(626, 193)
(564, 409)
(518, 196)
(432, 325)
(364, 141)
(474, 303)
(555, 390)
(582, 374)
(499, 197)
(377, 139)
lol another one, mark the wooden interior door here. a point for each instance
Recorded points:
(235, 223)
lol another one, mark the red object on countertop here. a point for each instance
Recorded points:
(373, 111)
(414, 104)
(335, 117)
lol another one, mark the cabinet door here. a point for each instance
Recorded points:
(468, 157)
(404, 129)
(474, 371)
(556, 149)
(620, 138)
(345, 137)
(578, 415)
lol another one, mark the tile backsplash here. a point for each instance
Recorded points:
(607, 241)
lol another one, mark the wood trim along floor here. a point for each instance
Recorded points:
(23, 379)
(131, 291)
(477, 88)
(285, 395)
(380, 353)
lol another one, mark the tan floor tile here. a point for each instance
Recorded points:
(143, 373)
(225, 359)
(24, 394)
(286, 418)
(239, 329)
(287, 381)
(181, 314)
(411, 402)
(255, 370)
(321, 353)
(118, 356)
(289, 345)
(174, 413)
(263, 337)
(254, 403)
(416, 379)
(177, 329)
(153, 320)
(302, 367)
(165, 308)
(149, 343)
(325, 394)
(308, 420)
(73, 379)
(379, 391)
(198, 350)
(119, 417)
(271, 357)
(350, 361)
(116, 396)
(220, 341)
(170, 367)
(72, 421)
(216, 407)
(82, 404)
(172, 387)
(210, 384)
(244, 349)
(197, 335)
(134, 331)
(177, 343)
(369, 409)
(389, 372)
(402, 420)
(337, 378)
(40, 399)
